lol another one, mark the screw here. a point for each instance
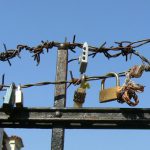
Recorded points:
(58, 114)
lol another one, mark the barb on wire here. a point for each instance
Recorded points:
(8, 54)
(142, 57)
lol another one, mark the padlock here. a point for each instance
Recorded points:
(19, 97)
(80, 93)
(109, 94)
(83, 59)
(79, 97)
(9, 98)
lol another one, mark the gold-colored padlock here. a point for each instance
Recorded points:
(109, 94)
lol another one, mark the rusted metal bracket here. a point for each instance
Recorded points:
(71, 118)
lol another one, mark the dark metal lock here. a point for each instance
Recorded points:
(79, 97)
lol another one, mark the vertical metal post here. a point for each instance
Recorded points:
(60, 96)
(1, 138)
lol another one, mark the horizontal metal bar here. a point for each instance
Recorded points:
(74, 118)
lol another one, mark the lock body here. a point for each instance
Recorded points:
(79, 97)
(109, 94)
(9, 98)
(83, 59)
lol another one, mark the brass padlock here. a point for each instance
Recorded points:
(109, 94)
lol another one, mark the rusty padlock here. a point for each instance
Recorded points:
(79, 97)
(109, 94)
(80, 93)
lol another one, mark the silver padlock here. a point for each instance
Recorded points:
(83, 59)
(19, 97)
(9, 98)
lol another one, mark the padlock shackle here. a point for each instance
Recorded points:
(82, 80)
(110, 74)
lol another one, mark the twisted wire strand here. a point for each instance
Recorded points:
(75, 81)
(92, 78)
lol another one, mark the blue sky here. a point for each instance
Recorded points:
(96, 21)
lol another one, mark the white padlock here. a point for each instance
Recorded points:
(83, 59)
(19, 97)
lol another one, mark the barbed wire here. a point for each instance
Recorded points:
(125, 48)
(74, 81)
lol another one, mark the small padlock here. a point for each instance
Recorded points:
(79, 97)
(83, 59)
(19, 97)
(109, 94)
(9, 98)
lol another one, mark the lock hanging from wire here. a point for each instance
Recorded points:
(9, 98)
(83, 59)
(13, 96)
(109, 94)
(80, 93)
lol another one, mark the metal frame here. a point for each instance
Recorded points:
(70, 118)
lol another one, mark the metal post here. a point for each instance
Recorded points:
(1, 138)
(60, 96)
